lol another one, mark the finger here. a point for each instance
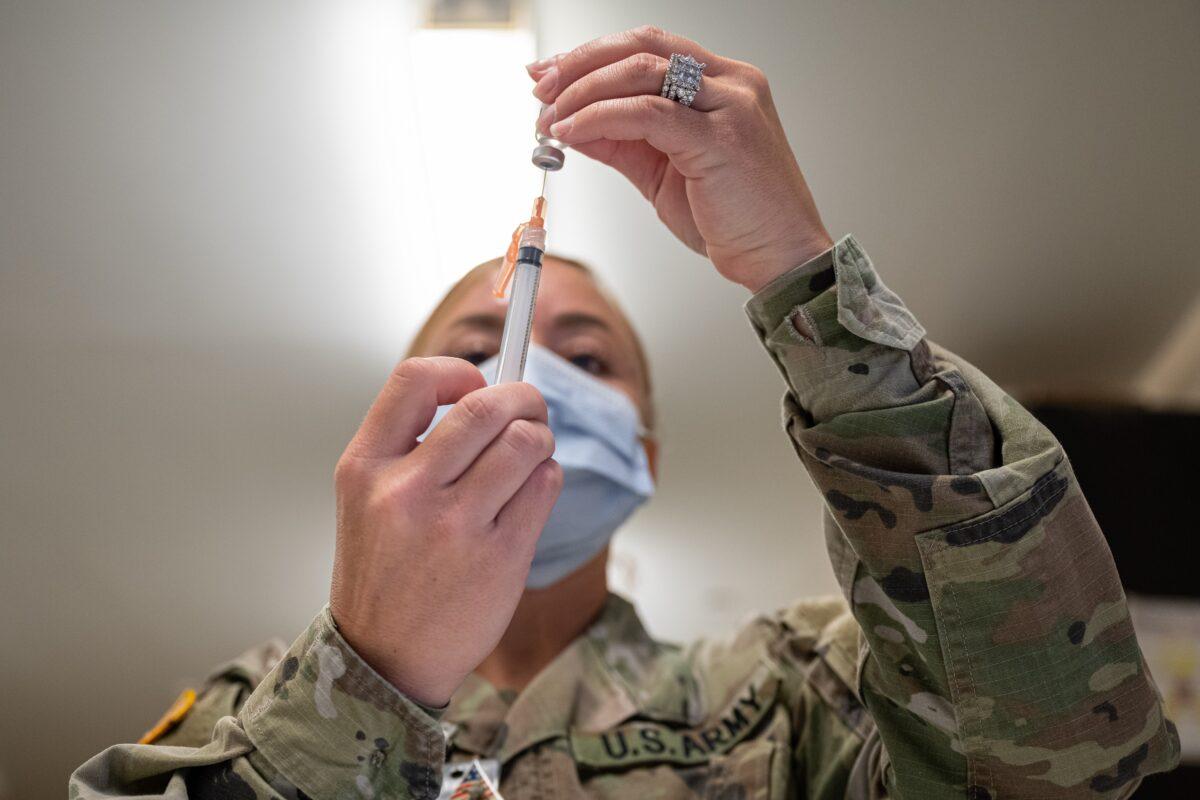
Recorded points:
(406, 404)
(522, 519)
(665, 124)
(473, 423)
(538, 68)
(573, 65)
(504, 466)
(640, 73)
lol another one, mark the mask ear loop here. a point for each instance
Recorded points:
(650, 445)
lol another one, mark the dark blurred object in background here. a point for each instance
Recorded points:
(1139, 471)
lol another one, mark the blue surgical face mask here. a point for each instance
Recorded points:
(606, 472)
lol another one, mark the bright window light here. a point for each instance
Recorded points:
(471, 181)
(432, 130)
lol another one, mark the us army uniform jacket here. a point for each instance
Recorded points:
(983, 650)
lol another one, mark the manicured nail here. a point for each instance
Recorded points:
(562, 128)
(546, 118)
(546, 84)
(536, 68)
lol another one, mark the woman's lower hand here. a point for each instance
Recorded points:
(435, 539)
(720, 174)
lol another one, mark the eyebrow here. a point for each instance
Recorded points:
(490, 323)
(578, 319)
(565, 323)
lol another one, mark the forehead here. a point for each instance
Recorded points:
(563, 290)
(571, 307)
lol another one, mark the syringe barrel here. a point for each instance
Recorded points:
(518, 321)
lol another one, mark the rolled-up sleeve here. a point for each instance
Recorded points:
(320, 724)
(334, 727)
(1001, 660)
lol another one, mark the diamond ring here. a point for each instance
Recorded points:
(682, 81)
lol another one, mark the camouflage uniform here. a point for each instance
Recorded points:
(985, 651)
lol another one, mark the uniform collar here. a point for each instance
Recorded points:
(612, 672)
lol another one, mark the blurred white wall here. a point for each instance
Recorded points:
(214, 232)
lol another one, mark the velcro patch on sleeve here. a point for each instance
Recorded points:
(644, 742)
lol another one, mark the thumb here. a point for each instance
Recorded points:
(406, 404)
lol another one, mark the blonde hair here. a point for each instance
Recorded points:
(486, 270)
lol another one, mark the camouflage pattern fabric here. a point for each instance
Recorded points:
(983, 648)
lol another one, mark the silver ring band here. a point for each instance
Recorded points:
(682, 81)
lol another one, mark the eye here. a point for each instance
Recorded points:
(591, 364)
(476, 357)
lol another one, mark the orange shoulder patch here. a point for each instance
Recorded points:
(178, 710)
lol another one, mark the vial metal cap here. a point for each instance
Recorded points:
(548, 157)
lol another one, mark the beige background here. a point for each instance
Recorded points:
(202, 284)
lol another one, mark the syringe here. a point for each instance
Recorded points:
(523, 268)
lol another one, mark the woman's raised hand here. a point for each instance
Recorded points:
(720, 174)
(434, 540)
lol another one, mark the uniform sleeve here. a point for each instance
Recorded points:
(320, 724)
(1000, 660)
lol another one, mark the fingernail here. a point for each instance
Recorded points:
(536, 68)
(561, 128)
(546, 118)
(546, 84)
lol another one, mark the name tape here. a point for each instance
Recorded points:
(647, 742)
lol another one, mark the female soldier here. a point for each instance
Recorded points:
(984, 648)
